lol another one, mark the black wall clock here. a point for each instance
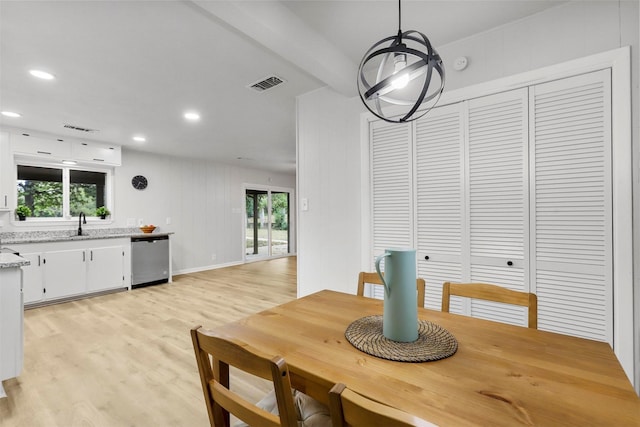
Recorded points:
(139, 182)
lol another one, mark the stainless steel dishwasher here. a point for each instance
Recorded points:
(149, 260)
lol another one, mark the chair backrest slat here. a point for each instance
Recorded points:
(374, 279)
(489, 292)
(350, 409)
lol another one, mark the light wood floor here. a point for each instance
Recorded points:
(126, 359)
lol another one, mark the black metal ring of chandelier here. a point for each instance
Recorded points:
(374, 95)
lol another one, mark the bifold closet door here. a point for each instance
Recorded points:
(439, 140)
(391, 188)
(497, 194)
(571, 206)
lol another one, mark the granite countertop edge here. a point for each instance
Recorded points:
(45, 238)
(12, 261)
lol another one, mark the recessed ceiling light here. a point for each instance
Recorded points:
(139, 138)
(192, 116)
(42, 74)
(69, 162)
(11, 114)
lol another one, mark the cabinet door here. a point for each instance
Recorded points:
(105, 268)
(96, 152)
(571, 210)
(439, 200)
(497, 188)
(65, 273)
(7, 180)
(11, 328)
(33, 278)
(392, 188)
(46, 148)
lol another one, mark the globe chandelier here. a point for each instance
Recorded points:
(402, 71)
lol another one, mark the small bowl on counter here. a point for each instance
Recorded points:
(148, 228)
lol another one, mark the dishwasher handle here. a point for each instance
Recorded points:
(149, 239)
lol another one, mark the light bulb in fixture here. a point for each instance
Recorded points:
(192, 116)
(41, 74)
(399, 65)
(11, 114)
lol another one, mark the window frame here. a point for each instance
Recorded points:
(66, 203)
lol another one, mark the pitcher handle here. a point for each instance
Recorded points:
(384, 282)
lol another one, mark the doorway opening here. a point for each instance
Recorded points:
(267, 223)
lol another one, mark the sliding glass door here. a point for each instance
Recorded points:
(267, 223)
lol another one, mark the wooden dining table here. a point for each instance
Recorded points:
(500, 375)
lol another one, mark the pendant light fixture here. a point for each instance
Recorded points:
(404, 71)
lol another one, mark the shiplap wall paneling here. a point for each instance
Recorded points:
(572, 205)
(439, 140)
(392, 188)
(497, 173)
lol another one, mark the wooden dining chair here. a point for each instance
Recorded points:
(494, 293)
(215, 354)
(350, 409)
(374, 279)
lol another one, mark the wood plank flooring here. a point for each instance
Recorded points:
(126, 359)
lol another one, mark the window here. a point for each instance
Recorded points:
(86, 191)
(60, 192)
(40, 189)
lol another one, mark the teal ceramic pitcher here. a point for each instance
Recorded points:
(400, 317)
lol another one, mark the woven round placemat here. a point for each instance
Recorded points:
(433, 343)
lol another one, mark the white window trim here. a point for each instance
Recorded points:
(66, 218)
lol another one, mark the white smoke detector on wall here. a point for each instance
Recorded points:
(460, 63)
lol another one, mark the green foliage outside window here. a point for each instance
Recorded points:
(82, 199)
(42, 197)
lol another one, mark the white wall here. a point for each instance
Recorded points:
(573, 30)
(329, 168)
(204, 200)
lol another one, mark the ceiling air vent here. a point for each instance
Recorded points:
(266, 83)
(79, 129)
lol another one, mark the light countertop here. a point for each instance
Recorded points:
(71, 235)
(8, 260)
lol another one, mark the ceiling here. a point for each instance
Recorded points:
(134, 67)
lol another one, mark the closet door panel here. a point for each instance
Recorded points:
(572, 205)
(497, 212)
(391, 188)
(439, 138)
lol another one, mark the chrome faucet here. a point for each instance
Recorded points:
(80, 222)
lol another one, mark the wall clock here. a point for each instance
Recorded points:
(139, 182)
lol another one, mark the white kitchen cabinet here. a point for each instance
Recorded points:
(105, 268)
(65, 273)
(33, 277)
(95, 152)
(7, 180)
(11, 326)
(66, 269)
(41, 147)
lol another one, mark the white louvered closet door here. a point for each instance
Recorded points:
(572, 206)
(439, 144)
(497, 135)
(392, 188)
